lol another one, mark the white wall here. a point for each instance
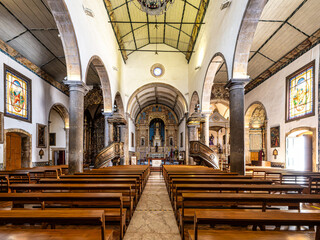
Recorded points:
(95, 37)
(272, 94)
(57, 127)
(43, 97)
(217, 35)
(136, 72)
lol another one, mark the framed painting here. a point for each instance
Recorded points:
(1, 128)
(275, 137)
(181, 139)
(17, 92)
(52, 139)
(300, 93)
(41, 136)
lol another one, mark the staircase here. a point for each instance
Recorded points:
(112, 153)
(202, 154)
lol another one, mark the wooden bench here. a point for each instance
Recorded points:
(55, 217)
(214, 181)
(252, 218)
(54, 234)
(179, 189)
(211, 200)
(246, 235)
(73, 200)
(125, 189)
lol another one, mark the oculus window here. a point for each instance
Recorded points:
(300, 93)
(17, 95)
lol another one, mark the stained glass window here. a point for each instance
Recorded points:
(17, 90)
(301, 93)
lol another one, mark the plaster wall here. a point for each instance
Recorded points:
(57, 127)
(43, 97)
(136, 71)
(272, 94)
(97, 38)
(218, 35)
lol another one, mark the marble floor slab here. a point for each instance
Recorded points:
(154, 216)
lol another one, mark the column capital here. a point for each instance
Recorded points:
(237, 83)
(77, 86)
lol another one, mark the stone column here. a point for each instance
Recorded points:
(77, 91)
(193, 136)
(186, 142)
(206, 126)
(107, 130)
(237, 160)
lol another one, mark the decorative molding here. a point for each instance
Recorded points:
(17, 57)
(295, 53)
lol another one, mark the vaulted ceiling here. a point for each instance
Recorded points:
(178, 27)
(157, 93)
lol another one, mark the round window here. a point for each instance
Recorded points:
(157, 70)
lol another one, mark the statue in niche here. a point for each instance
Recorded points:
(211, 139)
(157, 136)
(156, 147)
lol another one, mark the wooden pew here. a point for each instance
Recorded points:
(53, 218)
(210, 200)
(214, 181)
(73, 200)
(252, 218)
(179, 189)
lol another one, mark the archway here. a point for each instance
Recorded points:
(96, 74)
(58, 129)
(245, 38)
(194, 102)
(158, 100)
(256, 125)
(17, 149)
(215, 68)
(68, 37)
(301, 149)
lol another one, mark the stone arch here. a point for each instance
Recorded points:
(193, 102)
(246, 33)
(62, 111)
(119, 103)
(314, 143)
(104, 80)
(134, 107)
(264, 129)
(64, 114)
(217, 60)
(26, 148)
(67, 33)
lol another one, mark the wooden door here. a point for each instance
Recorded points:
(13, 151)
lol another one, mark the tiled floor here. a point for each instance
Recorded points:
(153, 218)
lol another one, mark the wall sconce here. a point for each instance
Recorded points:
(275, 153)
(197, 67)
(41, 153)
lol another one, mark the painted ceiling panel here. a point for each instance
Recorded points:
(279, 9)
(171, 26)
(304, 19)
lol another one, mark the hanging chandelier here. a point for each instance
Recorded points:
(154, 7)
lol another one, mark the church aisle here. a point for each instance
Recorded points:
(154, 216)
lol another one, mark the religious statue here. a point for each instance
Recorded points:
(211, 139)
(157, 136)
(156, 147)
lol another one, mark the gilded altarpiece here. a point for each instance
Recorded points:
(93, 124)
(146, 147)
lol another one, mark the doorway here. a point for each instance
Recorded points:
(13, 150)
(299, 151)
(59, 157)
(17, 148)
